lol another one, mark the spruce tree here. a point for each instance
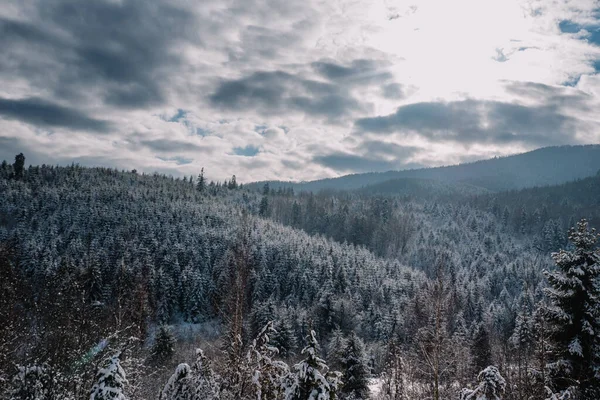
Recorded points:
(267, 373)
(491, 386)
(110, 381)
(32, 382)
(164, 344)
(19, 166)
(204, 379)
(178, 386)
(574, 315)
(201, 184)
(310, 379)
(482, 351)
(354, 369)
(335, 349)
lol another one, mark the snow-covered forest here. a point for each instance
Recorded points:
(121, 285)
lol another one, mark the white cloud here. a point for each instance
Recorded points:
(323, 65)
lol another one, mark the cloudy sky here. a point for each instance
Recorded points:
(294, 89)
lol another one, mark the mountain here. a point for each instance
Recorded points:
(100, 264)
(541, 167)
(423, 188)
(569, 201)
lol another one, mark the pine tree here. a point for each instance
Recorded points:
(491, 386)
(110, 381)
(522, 342)
(178, 386)
(434, 352)
(201, 184)
(19, 166)
(267, 373)
(542, 348)
(296, 214)
(32, 382)
(482, 350)
(310, 379)
(354, 369)
(264, 209)
(164, 344)
(232, 183)
(204, 379)
(574, 315)
(284, 338)
(335, 349)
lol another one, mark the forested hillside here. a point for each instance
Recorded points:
(111, 279)
(546, 166)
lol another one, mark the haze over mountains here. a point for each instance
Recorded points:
(545, 166)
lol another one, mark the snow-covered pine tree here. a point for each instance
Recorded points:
(574, 315)
(284, 338)
(310, 379)
(491, 386)
(178, 386)
(267, 373)
(110, 381)
(354, 369)
(205, 381)
(522, 343)
(335, 349)
(32, 382)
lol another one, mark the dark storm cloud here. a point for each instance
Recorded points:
(351, 162)
(122, 49)
(477, 121)
(375, 147)
(347, 162)
(358, 72)
(172, 145)
(44, 114)
(275, 92)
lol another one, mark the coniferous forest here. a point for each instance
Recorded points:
(124, 285)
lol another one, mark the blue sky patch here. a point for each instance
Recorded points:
(248, 151)
(593, 35)
(203, 132)
(179, 116)
(260, 129)
(567, 26)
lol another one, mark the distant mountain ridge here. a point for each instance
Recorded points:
(541, 167)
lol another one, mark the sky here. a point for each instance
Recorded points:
(294, 89)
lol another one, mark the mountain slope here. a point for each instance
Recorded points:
(546, 166)
(424, 188)
(570, 201)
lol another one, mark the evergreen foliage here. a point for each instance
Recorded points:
(574, 314)
(164, 343)
(355, 372)
(110, 381)
(310, 379)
